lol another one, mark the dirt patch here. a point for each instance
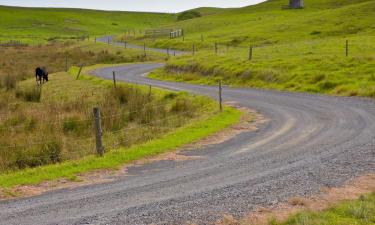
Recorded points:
(327, 198)
(249, 121)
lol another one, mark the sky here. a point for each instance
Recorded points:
(131, 5)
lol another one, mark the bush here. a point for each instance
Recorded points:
(29, 93)
(188, 15)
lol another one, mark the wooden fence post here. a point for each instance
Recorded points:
(144, 48)
(347, 48)
(220, 96)
(150, 91)
(251, 53)
(168, 52)
(98, 132)
(79, 72)
(114, 78)
(125, 45)
(216, 49)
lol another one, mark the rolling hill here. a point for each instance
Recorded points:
(18, 23)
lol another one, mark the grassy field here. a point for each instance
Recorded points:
(51, 125)
(358, 212)
(39, 24)
(297, 50)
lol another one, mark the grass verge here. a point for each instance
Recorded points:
(361, 211)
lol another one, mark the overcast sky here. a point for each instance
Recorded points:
(131, 5)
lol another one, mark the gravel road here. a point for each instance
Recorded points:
(310, 142)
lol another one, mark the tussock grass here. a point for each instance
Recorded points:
(131, 115)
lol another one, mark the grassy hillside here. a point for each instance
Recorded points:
(268, 23)
(297, 50)
(18, 23)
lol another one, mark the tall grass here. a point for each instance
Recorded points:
(56, 125)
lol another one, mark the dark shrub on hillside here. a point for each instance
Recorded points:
(188, 15)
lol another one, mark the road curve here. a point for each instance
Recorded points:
(310, 142)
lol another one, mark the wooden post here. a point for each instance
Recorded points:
(347, 48)
(95, 40)
(216, 49)
(174, 53)
(125, 45)
(144, 48)
(66, 63)
(168, 52)
(79, 72)
(193, 49)
(220, 96)
(114, 78)
(98, 132)
(150, 91)
(108, 40)
(251, 53)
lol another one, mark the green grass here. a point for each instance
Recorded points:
(114, 159)
(357, 212)
(31, 24)
(296, 50)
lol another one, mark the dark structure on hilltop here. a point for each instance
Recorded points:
(295, 4)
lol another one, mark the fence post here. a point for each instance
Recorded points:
(144, 48)
(193, 49)
(108, 40)
(168, 52)
(95, 40)
(220, 96)
(114, 78)
(216, 49)
(98, 132)
(79, 72)
(251, 53)
(347, 48)
(150, 91)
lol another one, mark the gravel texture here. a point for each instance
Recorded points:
(310, 142)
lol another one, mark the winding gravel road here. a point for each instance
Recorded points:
(309, 143)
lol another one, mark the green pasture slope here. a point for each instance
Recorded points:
(22, 23)
(294, 49)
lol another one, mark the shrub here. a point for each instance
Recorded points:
(29, 93)
(191, 14)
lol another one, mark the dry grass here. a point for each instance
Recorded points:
(53, 123)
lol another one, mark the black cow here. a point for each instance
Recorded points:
(41, 75)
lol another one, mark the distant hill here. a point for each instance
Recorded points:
(47, 22)
(268, 22)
